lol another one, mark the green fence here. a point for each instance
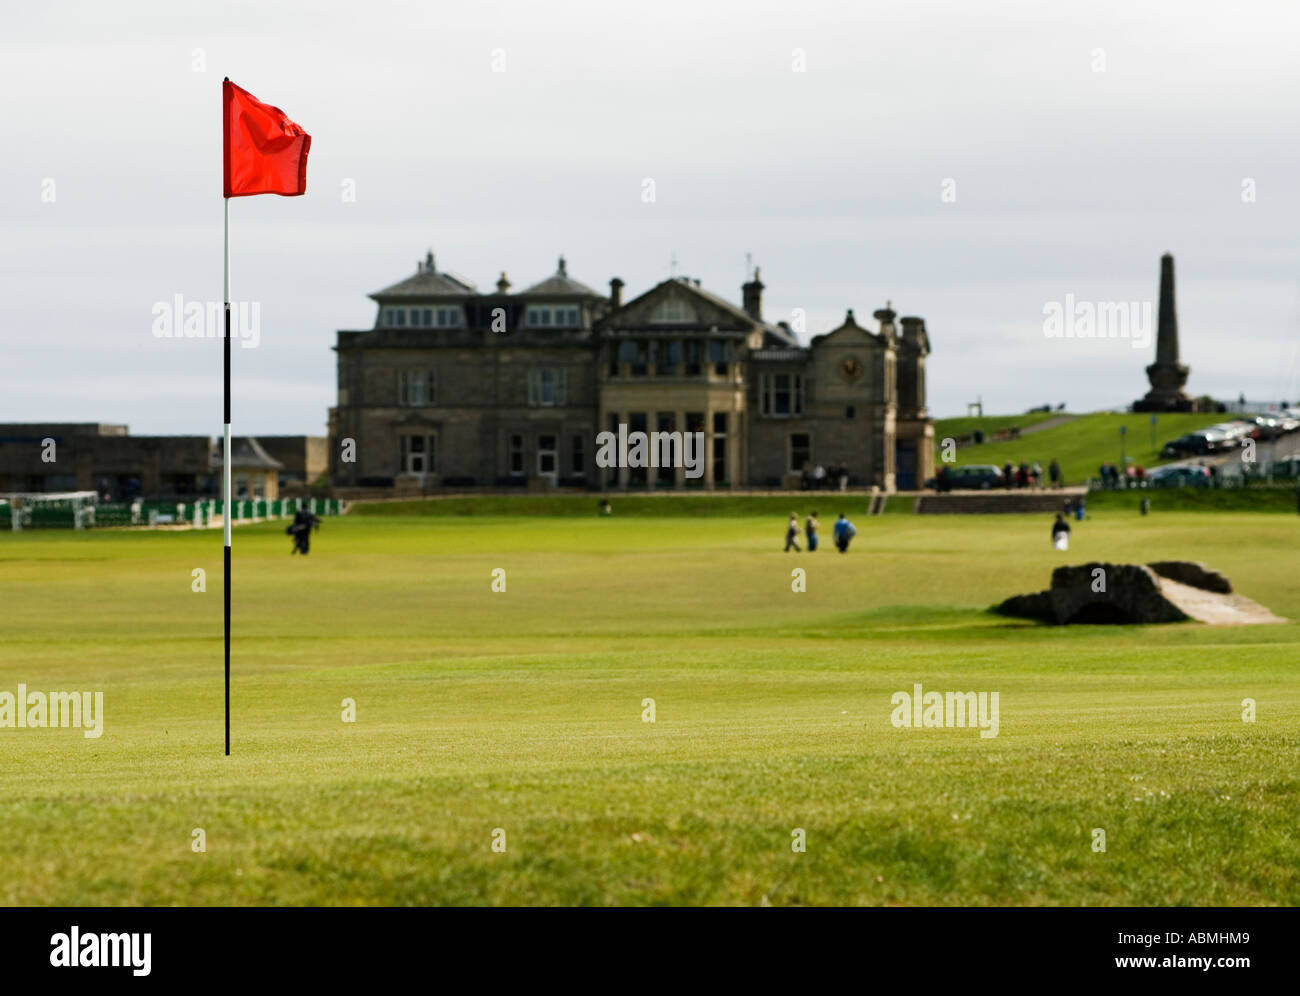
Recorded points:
(36, 512)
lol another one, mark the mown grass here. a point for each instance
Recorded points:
(522, 710)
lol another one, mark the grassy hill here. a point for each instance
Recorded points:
(1081, 445)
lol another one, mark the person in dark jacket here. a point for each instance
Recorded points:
(1060, 533)
(810, 530)
(792, 534)
(304, 521)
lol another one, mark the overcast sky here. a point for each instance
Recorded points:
(1083, 140)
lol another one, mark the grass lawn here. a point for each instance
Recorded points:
(523, 711)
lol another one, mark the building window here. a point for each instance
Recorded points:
(692, 347)
(850, 411)
(417, 455)
(552, 316)
(450, 316)
(546, 456)
(667, 422)
(800, 451)
(516, 454)
(781, 394)
(415, 387)
(719, 447)
(636, 422)
(720, 353)
(394, 316)
(422, 317)
(577, 457)
(640, 357)
(667, 356)
(626, 353)
(611, 475)
(546, 387)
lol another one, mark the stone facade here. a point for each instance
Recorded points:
(455, 388)
(107, 459)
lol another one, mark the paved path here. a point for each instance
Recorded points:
(1211, 607)
(1050, 423)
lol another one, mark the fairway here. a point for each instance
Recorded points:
(516, 717)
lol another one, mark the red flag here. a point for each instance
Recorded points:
(265, 152)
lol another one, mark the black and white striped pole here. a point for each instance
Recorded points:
(225, 466)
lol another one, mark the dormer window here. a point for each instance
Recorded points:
(552, 316)
(673, 311)
(450, 316)
(445, 316)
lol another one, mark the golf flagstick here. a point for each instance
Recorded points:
(263, 152)
(225, 466)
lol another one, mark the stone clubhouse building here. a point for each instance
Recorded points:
(459, 388)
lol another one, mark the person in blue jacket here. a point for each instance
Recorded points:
(844, 532)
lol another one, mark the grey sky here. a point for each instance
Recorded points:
(1067, 180)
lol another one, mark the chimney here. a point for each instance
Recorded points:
(885, 316)
(616, 293)
(912, 328)
(753, 297)
(503, 285)
(428, 262)
(562, 270)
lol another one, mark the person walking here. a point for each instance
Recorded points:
(1061, 533)
(304, 521)
(1054, 472)
(810, 531)
(792, 534)
(844, 533)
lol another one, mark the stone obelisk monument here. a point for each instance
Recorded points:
(1167, 375)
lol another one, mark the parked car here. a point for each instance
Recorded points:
(1179, 476)
(1192, 444)
(1228, 435)
(972, 477)
(1265, 427)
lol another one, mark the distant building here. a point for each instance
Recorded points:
(254, 473)
(61, 456)
(304, 460)
(106, 459)
(454, 387)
